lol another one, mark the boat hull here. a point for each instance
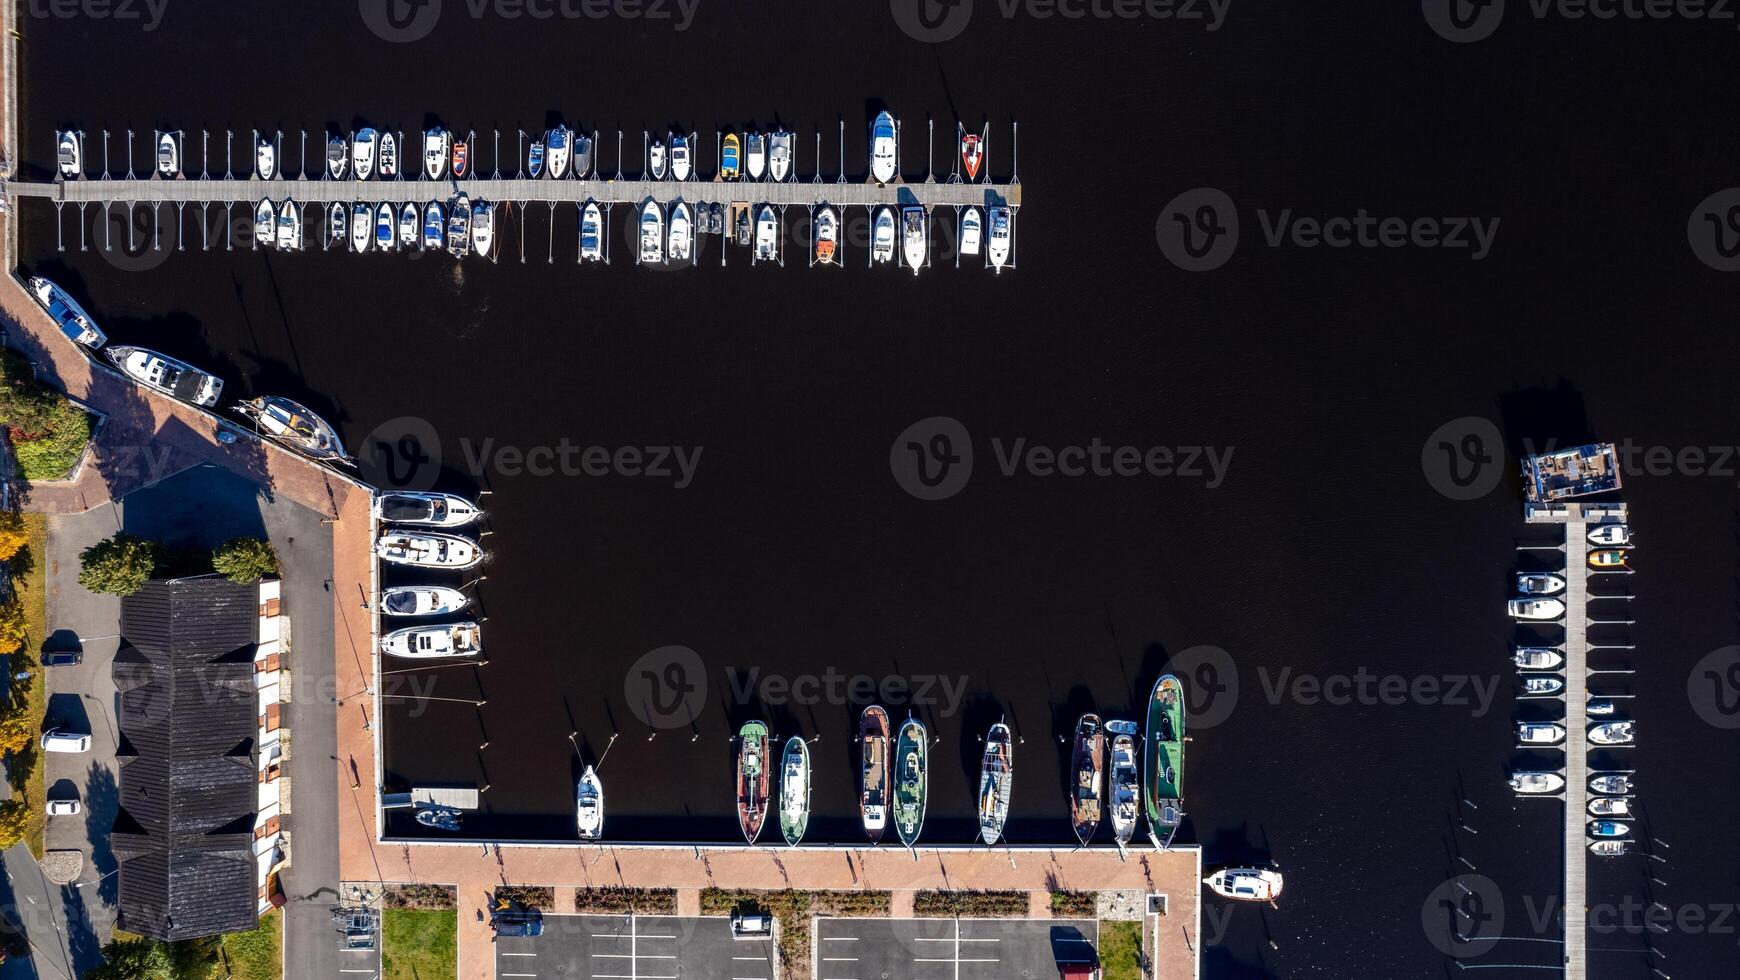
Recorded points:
(873, 771)
(911, 781)
(1163, 758)
(794, 791)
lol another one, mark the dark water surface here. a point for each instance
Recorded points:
(793, 552)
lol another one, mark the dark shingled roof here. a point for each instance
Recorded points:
(184, 832)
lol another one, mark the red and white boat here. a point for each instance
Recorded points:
(461, 158)
(971, 154)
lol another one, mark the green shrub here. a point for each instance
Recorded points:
(120, 565)
(245, 560)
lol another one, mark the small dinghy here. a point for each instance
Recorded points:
(680, 164)
(483, 228)
(682, 233)
(794, 790)
(779, 155)
(384, 238)
(914, 236)
(362, 154)
(337, 156)
(1610, 806)
(422, 600)
(1246, 884)
(827, 236)
(408, 227)
(882, 148)
(535, 159)
(433, 223)
(589, 805)
(1536, 783)
(972, 154)
(1537, 658)
(1613, 733)
(1614, 784)
(289, 226)
(1126, 779)
(1609, 828)
(293, 425)
(389, 156)
(433, 642)
(1610, 534)
(1542, 685)
(999, 248)
(265, 158)
(426, 508)
(438, 817)
(459, 227)
(265, 222)
(362, 226)
(756, 155)
(752, 779)
(591, 233)
(652, 233)
(766, 235)
(1087, 763)
(168, 155)
(435, 151)
(972, 231)
(427, 549)
(336, 223)
(75, 324)
(166, 375)
(996, 783)
(1609, 848)
(658, 159)
(70, 153)
(882, 237)
(559, 146)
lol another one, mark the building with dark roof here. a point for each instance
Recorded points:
(184, 834)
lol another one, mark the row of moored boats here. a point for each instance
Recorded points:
(418, 534)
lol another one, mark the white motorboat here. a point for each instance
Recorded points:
(827, 235)
(1613, 535)
(389, 156)
(337, 156)
(422, 600)
(483, 228)
(972, 231)
(295, 426)
(535, 159)
(755, 154)
(289, 226)
(165, 374)
(882, 236)
(591, 233)
(589, 805)
(1608, 828)
(362, 154)
(75, 324)
(1539, 584)
(1613, 783)
(362, 226)
(999, 248)
(384, 238)
(1537, 658)
(1609, 848)
(1536, 609)
(658, 159)
(427, 549)
(70, 153)
(433, 223)
(437, 144)
(557, 149)
(265, 220)
(680, 164)
(766, 235)
(914, 236)
(408, 227)
(1610, 806)
(337, 223)
(168, 155)
(265, 158)
(779, 154)
(1612, 733)
(883, 146)
(682, 233)
(459, 226)
(1546, 733)
(1542, 685)
(1599, 708)
(1536, 783)
(652, 233)
(432, 642)
(1246, 884)
(582, 163)
(426, 508)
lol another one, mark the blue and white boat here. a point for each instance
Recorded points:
(75, 324)
(433, 221)
(408, 227)
(556, 152)
(536, 164)
(883, 143)
(591, 233)
(384, 227)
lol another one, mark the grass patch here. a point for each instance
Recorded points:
(623, 901)
(256, 955)
(29, 570)
(1121, 950)
(970, 904)
(793, 909)
(419, 944)
(1075, 905)
(48, 433)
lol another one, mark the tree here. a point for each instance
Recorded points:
(245, 560)
(133, 959)
(14, 818)
(13, 537)
(120, 565)
(17, 732)
(12, 626)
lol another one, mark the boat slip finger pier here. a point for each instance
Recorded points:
(372, 190)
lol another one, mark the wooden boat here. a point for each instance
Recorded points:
(794, 790)
(996, 783)
(1163, 759)
(873, 771)
(752, 778)
(1087, 765)
(911, 780)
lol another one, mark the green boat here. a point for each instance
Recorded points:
(911, 779)
(794, 790)
(1163, 761)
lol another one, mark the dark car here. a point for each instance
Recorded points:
(62, 658)
(517, 923)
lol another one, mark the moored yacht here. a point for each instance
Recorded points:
(459, 226)
(70, 153)
(483, 228)
(972, 231)
(1536, 783)
(589, 805)
(336, 223)
(426, 508)
(1610, 534)
(882, 148)
(265, 158)
(1609, 848)
(1163, 759)
(433, 223)
(384, 237)
(1608, 828)
(914, 236)
(999, 248)
(389, 156)
(591, 233)
(680, 167)
(753, 779)
(362, 154)
(422, 600)
(779, 154)
(827, 234)
(432, 642)
(168, 155)
(730, 157)
(427, 549)
(265, 221)
(766, 235)
(165, 374)
(1536, 609)
(652, 233)
(1612, 733)
(1087, 764)
(972, 153)
(1539, 584)
(436, 147)
(658, 159)
(1614, 783)
(911, 780)
(75, 324)
(1542, 685)
(1537, 658)
(882, 236)
(755, 154)
(1543, 733)
(794, 790)
(408, 226)
(337, 156)
(295, 426)
(873, 771)
(1246, 884)
(556, 152)
(996, 783)
(289, 226)
(461, 159)
(682, 233)
(1610, 806)
(362, 226)
(1126, 780)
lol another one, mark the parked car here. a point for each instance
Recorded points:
(55, 740)
(64, 808)
(62, 658)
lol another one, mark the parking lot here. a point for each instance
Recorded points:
(640, 947)
(950, 949)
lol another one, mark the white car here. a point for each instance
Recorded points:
(55, 740)
(64, 808)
